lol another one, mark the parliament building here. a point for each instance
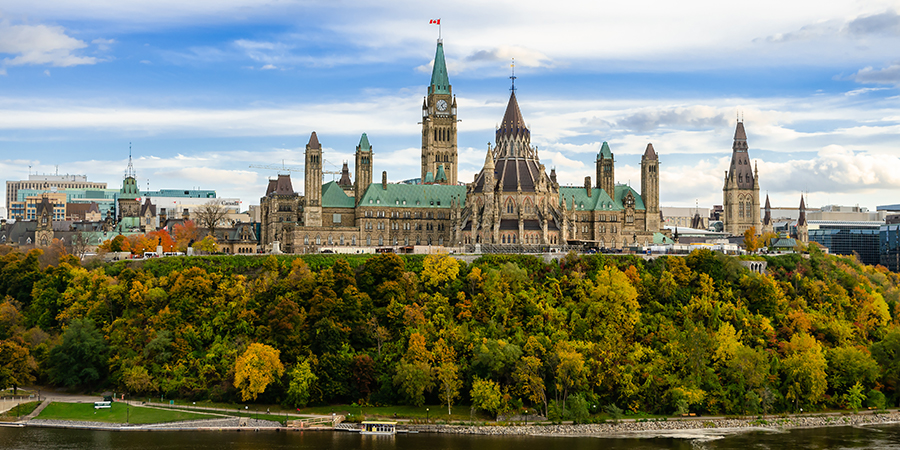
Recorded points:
(512, 206)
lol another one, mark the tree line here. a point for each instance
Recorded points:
(669, 335)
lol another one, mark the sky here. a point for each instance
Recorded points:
(202, 90)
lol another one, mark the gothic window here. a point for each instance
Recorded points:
(395, 241)
(353, 241)
(380, 240)
(318, 240)
(406, 240)
(369, 241)
(306, 240)
(418, 240)
(330, 241)
(441, 240)
(741, 209)
(342, 240)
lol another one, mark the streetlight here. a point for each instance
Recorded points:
(426, 414)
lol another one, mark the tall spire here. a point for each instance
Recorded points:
(129, 173)
(440, 82)
(767, 218)
(802, 220)
(513, 76)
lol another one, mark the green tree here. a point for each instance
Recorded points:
(302, 378)
(447, 374)
(887, 353)
(486, 395)
(255, 369)
(805, 367)
(854, 397)
(413, 378)
(81, 359)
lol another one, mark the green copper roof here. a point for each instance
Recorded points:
(659, 238)
(604, 151)
(429, 177)
(599, 200)
(413, 195)
(441, 176)
(440, 82)
(334, 197)
(364, 143)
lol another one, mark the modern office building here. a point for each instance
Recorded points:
(46, 182)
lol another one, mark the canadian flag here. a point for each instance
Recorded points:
(435, 21)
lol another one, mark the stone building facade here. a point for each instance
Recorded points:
(512, 205)
(741, 190)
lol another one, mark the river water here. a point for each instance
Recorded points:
(874, 437)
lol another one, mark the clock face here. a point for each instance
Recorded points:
(442, 105)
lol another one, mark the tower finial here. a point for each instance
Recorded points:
(130, 171)
(513, 76)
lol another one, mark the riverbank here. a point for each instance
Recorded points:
(679, 428)
(231, 423)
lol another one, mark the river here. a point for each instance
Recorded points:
(870, 437)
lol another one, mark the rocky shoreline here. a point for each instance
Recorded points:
(671, 427)
(230, 423)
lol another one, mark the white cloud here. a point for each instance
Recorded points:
(268, 67)
(886, 75)
(40, 45)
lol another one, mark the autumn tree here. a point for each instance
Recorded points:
(137, 380)
(752, 242)
(185, 234)
(207, 244)
(439, 269)
(255, 369)
(16, 364)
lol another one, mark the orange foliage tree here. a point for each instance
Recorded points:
(184, 233)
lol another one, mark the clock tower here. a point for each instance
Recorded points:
(439, 126)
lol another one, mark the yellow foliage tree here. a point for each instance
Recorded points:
(752, 242)
(258, 366)
(439, 269)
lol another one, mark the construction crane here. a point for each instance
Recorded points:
(288, 169)
(282, 168)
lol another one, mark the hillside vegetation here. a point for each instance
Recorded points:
(672, 335)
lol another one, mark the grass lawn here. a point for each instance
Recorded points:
(22, 409)
(117, 414)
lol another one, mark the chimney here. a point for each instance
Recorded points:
(384, 180)
(587, 186)
(553, 175)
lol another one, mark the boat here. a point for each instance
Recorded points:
(380, 428)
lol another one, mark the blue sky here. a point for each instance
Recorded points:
(203, 89)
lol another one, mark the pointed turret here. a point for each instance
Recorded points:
(513, 123)
(606, 170)
(440, 82)
(802, 226)
(364, 170)
(440, 177)
(650, 153)
(489, 160)
(767, 218)
(802, 220)
(314, 141)
(650, 187)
